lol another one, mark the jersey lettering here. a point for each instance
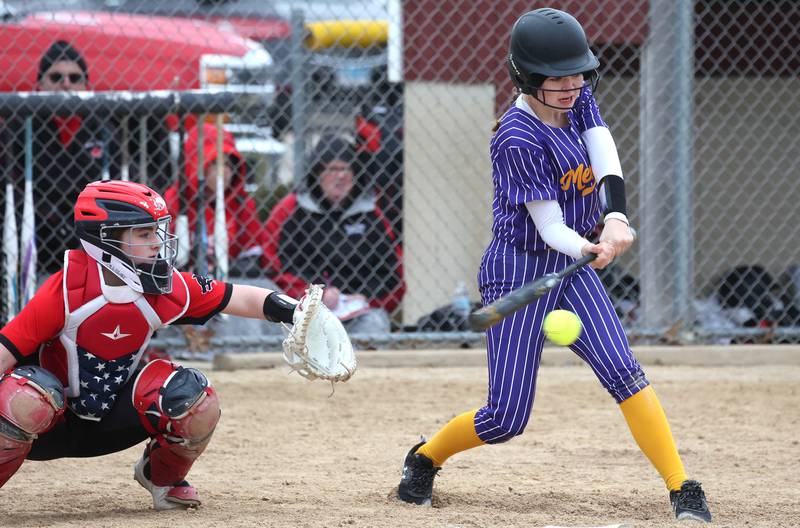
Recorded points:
(581, 177)
(206, 284)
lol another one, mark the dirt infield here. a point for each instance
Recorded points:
(285, 454)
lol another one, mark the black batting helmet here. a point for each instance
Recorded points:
(548, 43)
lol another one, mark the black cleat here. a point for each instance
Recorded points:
(689, 503)
(416, 486)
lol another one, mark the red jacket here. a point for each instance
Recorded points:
(244, 227)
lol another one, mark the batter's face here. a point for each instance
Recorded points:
(560, 93)
(336, 180)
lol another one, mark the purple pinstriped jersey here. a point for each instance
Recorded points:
(533, 161)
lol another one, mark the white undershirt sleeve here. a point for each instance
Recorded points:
(604, 158)
(549, 220)
(603, 153)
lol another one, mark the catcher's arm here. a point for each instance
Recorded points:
(7, 359)
(260, 303)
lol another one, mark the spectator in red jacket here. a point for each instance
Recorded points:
(244, 230)
(243, 224)
(331, 231)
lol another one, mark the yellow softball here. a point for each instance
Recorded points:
(562, 327)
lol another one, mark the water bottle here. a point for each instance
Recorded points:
(461, 303)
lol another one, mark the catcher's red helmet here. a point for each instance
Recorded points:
(106, 206)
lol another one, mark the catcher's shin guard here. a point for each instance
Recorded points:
(181, 409)
(12, 455)
(31, 401)
(179, 495)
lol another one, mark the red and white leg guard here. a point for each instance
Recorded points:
(179, 495)
(181, 409)
(31, 402)
(12, 455)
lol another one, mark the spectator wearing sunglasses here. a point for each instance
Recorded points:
(62, 68)
(68, 153)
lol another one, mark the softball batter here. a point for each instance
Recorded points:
(546, 200)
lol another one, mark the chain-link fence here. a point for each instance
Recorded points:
(354, 151)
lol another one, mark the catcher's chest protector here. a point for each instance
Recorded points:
(104, 336)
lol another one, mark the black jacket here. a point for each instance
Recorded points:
(352, 248)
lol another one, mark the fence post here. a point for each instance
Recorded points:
(666, 251)
(299, 99)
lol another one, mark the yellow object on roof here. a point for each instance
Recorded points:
(346, 34)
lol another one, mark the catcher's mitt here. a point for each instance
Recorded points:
(317, 345)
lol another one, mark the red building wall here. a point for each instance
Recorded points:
(465, 41)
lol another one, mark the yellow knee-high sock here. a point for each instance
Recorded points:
(650, 429)
(458, 435)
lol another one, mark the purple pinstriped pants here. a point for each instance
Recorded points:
(515, 345)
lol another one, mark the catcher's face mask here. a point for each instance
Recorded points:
(125, 227)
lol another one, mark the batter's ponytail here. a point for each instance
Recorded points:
(497, 120)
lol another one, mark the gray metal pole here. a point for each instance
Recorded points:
(666, 165)
(684, 221)
(299, 99)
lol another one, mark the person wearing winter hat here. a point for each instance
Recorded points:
(68, 152)
(332, 231)
(62, 68)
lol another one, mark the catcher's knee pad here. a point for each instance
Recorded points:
(178, 402)
(180, 408)
(31, 401)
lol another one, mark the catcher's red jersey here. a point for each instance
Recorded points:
(92, 336)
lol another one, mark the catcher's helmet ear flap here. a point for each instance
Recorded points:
(548, 43)
(107, 206)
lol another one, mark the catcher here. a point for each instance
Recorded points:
(71, 380)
